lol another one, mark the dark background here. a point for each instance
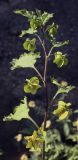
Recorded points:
(11, 82)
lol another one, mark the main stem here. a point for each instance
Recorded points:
(45, 87)
(46, 103)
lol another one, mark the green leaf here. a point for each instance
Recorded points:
(25, 60)
(76, 111)
(29, 31)
(63, 86)
(60, 59)
(20, 112)
(74, 137)
(24, 12)
(29, 44)
(46, 17)
(75, 123)
(35, 23)
(64, 115)
(65, 89)
(66, 129)
(54, 81)
(32, 85)
(63, 110)
(59, 44)
(52, 29)
(40, 18)
(43, 17)
(35, 142)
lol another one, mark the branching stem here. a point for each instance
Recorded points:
(42, 43)
(44, 79)
(46, 100)
(39, 74)
(50, 51)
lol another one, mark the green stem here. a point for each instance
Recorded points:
(42, 43)
(50, 51)
(45, 88)
(45, 118)
(46, 103)
(32, 120)
(39, 74)
(51, 104)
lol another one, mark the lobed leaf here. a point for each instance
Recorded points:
(63, 110)
(24, 12)
(46, 17)
(60, 59)
(35, 142)
(20, 112)
(36, 19)
(29, 31)
(59, 44)
(29, 44)
(63, 86)
(25, 60)
(52, 29)
(32, 85)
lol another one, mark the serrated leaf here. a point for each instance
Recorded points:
(43, 17)
(46, 17)
(25, 60)
(29, 44)
(20, 112)
(29, 31)
(32, 85)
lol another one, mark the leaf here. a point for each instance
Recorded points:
(29, 44)
(54, 81)
(75, 123)
(65, 89)
(63, 110)
(43, 17)
(36, 19)
(74, 137)
(76, 111)
(24, 12)
(52, 29)
(66, 129)
(35, 142)
(32, 85)
(35, 23)
(25, 60)
(46, 17)
(63, 86)
(64, 115)
(60, 59)
(59, 44)
(29, 31)
(20, 112)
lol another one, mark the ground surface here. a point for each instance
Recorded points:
(11, 83)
